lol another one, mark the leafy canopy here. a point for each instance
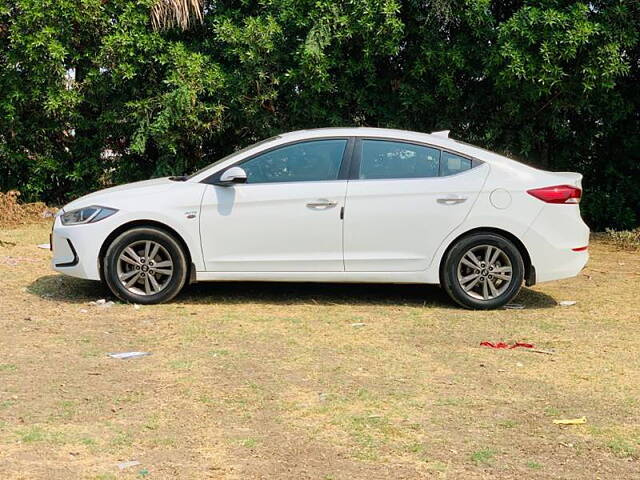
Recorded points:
(552, 82)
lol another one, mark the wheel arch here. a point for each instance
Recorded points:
(147, 223)
(529, 269)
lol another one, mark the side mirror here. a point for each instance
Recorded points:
(233, 175)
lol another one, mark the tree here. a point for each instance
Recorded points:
(163, 87)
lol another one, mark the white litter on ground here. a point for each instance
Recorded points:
(126, 355)
(129, 464)
(102, 303)
(567, 303)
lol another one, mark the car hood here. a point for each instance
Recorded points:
(122, 194)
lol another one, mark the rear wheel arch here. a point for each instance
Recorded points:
(146, 223)
(529, 269)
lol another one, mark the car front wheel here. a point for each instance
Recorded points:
(145, 265)
(483, 271)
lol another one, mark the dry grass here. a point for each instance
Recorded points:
(166, 14)
(623, 239)
(273, 381)
(13, 213)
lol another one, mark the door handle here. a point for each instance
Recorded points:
(321, 204)
(453, 200)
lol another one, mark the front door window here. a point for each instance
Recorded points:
(312, 161)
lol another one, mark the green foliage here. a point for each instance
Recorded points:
(483, 457)
(623, 448)
(534, 465)
(553, 82)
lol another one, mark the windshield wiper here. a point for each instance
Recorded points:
(179, 178)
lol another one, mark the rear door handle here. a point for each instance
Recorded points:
(321, 204)
(452, 200)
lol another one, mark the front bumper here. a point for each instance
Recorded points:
(76, 248)
(74, 261)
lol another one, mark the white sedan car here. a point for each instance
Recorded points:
(333, 205)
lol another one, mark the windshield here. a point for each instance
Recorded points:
(237, 152)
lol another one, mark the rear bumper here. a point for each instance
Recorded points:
(550, 241)
(564, 265)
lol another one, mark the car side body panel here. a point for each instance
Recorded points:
(397, 225)
(273, 227)
(548, 232)
(173, 204)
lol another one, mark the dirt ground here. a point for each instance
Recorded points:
(297, 381)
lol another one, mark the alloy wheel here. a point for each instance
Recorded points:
(144, 267)
(484, 272)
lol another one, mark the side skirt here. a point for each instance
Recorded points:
(339, 277)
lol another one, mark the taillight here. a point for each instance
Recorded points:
(557, 194)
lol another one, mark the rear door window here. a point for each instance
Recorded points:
(388, 159)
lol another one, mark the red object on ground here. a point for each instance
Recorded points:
(506, 345)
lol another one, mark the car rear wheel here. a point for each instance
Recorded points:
(483, 271)
(145, 265)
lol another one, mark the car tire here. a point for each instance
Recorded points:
(472, 281)
(134, 278)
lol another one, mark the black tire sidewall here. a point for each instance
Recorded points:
(450, 277)
(145, 233)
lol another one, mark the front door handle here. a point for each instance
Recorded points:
(453, 200)
(321, 204)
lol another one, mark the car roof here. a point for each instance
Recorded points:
(355, 131)
(438, 139)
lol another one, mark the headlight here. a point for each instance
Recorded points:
(84, 215)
